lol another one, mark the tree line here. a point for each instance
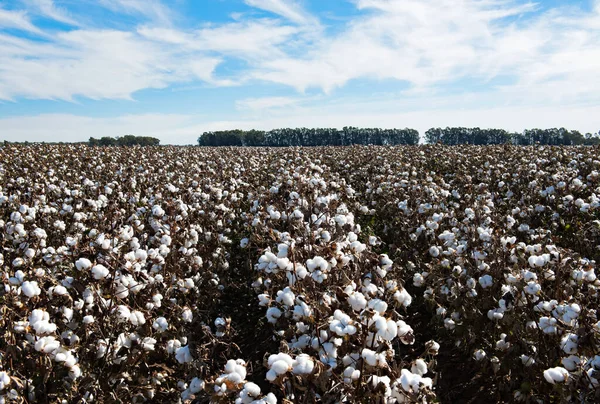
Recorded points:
(363, 136)
(127, 140)
(478, 136)
(309, 137)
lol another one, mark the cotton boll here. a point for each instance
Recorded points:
(571, 363)
(403, 297)
(486, 281)
(556, 375)
(187, 315)
(273, 313)
(4, 380)
(419, 367)
(434, 251)
(569, 343)
(88, 319)
(286, 297)
(160, 324)
(183, 354)
(83, 264)
(303, 365)
(30, 289)
(99, 272)
(479, 354)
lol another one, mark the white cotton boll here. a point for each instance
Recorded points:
(47, 344)
(75, 372)
(280, 367)
(187, 315)
(83, 264)
(357, 300)
(369, 356)
(4, 380)
(157, 211)
(183, 354)
(273, 313)
(30, 288)
(387, 329)
(571, 363)
(434, 251)
(351, 374)
(527, 360)
(303, 365)
(569, 343)
(486, 281)
(264, 300)
(548, 325)
(148, 344)
(556, 375)
(403, 297)
(137, 318)
(160, 324)
(418, 280)
(378, 305)
(449, 324)
(326, 236)
(286, 296)
(196, 385)
(88, 319)
(68, 313)
(479, 354)
(173, 345)
(419, 367)
(99, 271)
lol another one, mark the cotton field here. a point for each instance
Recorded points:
(408, 274)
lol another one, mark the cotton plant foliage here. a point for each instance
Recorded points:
(265, 275)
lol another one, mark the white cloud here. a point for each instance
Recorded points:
(49, 9)
(153, 10)
(16, 19)
(289, 9)
(260, 104)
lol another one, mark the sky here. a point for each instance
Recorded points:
(173, 69)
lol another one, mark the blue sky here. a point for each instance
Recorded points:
(71, 69)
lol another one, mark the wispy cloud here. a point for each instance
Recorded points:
(153, 10)
(48, 9)
(289, 9)
(264, 103)
(17, 19)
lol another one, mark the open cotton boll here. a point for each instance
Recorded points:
(89, 319)
(160, 324)
(273, 313)
(479, 354)
(403, 297)
(285, 296)
(30, 288)
(571, 363)
(187, 315)
(357, 300)
(434, 251)
(99, 271)
(378, 305)
(47, 344)
(183, 355)
(4, 380)
(279, 364)
(303, 364)
(419, 367)
(556, 375)
(83, 264)
(486, 281)
(387, 329)
(569, 343)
